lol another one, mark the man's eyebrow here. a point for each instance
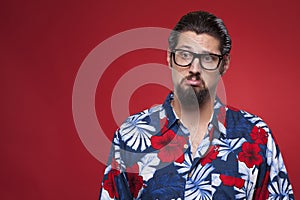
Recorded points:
(206, 52)
(190, 48)
(184, 46)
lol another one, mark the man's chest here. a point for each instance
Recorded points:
(216, 173)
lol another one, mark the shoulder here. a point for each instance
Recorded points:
(137, 129)
(147, 116)
(235, 113)
(242, 121)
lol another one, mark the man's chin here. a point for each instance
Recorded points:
(192, 97)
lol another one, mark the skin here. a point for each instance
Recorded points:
(195, 113)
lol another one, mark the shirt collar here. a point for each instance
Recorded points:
(169, 110)
(217, 120)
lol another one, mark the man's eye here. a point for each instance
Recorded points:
(207, 58)
(185, 55)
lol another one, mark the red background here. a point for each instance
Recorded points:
(43, 44)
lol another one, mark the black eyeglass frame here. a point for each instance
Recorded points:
(196, 55)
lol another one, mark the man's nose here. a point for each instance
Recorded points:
(195, 66)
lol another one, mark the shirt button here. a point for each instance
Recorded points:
(185, 146)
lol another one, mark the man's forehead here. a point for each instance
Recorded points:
(198, 42)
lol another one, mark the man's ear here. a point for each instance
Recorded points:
(169, 58)
(225, 64)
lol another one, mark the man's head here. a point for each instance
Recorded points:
(202, 22)
(199, 47)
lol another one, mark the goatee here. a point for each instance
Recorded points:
(192, 97)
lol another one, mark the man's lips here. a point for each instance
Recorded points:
(193, 82)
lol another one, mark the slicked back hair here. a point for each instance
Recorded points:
(202, 22)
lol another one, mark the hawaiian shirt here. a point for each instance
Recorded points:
(238, 158)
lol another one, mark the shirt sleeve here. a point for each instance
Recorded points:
(114, 180)
(275, 184)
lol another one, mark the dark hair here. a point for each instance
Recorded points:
(202, 22)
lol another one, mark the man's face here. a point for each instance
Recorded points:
(193, 82)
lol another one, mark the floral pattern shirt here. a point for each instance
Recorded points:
(238, 158)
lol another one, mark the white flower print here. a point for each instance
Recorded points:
(136, 132)
(227, 146)
(183, 168)
(198, 187)
(280, 188)
(250, 176)
(147, 165)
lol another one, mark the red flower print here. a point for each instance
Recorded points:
(159, 142)
(250, 155)
(110, 185)
(180, 159)
(239, 183)
(259, 135)
(232, 181)
(163, 125)
(210, 156)
(170, 146)
(262, 193)
(222, 115)
(134, 180)
(114, 164)
(135, 183)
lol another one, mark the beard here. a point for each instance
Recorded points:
(192, 97)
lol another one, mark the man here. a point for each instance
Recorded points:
(193, 146)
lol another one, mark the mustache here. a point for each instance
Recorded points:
(191, 76)
(194, 76)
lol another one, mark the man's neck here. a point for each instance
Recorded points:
(194, 114)
(195, 118)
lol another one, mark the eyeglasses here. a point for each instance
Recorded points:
(184, 58)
